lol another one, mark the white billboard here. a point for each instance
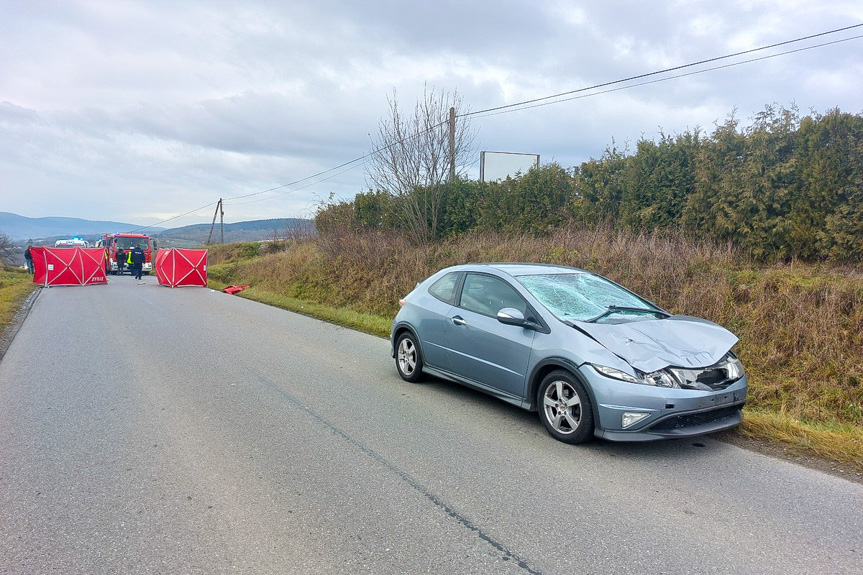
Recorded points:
(495, 166)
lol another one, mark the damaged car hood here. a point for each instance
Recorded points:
(651, 345)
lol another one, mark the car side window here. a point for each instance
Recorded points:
(488, 295)
(444, 288)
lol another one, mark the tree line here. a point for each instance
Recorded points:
(784, 187)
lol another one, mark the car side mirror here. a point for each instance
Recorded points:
(512, 316)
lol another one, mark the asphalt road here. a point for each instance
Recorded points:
(153, 430)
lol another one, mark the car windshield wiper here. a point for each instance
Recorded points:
(612, 309)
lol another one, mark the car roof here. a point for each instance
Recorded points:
(519, 268)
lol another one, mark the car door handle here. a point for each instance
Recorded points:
(457, 320)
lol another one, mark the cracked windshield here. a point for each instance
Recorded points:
(580, 296)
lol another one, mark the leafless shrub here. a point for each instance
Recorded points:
(301, 231)
(7, 249)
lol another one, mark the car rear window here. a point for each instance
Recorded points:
(444, 288)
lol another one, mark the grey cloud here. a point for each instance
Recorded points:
(186, 101)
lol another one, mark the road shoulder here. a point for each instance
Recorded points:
(11, 329)
(777, 451)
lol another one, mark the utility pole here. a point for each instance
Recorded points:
(451, 144)
(213, 225)
(222, 211)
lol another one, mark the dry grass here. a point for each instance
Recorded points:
(15, 285)
(843, 444)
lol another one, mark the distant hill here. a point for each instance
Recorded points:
(45, 231)
(252, 231)
(22, 228)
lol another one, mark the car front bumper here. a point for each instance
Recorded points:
(668, 412)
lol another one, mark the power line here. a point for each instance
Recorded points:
(301, 180)
(549, 100)
(540, 103)
(295, 189)
(665, 71)
(177, 217)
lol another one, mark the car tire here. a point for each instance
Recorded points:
(409, 361)
(564, 408)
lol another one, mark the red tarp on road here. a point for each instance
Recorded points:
(180, 267)
(68, 266)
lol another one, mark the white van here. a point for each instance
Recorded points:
(72, 243)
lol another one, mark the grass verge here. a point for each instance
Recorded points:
(15, 286)
(842, 444)
(368, 323)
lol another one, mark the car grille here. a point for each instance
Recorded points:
(694, 419)
(715, 378)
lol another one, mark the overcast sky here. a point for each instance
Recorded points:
(143, 110)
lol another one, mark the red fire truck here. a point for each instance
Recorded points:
(111, 242)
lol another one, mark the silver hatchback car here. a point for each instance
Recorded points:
(591, 357)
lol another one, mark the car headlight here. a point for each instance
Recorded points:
(717, 376)
(659, 378)
(616, 374)
(733, 367)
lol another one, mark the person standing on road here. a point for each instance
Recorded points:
(28, 259)
(137, 255)
(121, 260)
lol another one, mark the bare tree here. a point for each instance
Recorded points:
(300, 230)
(415, 156)
(7, 249)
